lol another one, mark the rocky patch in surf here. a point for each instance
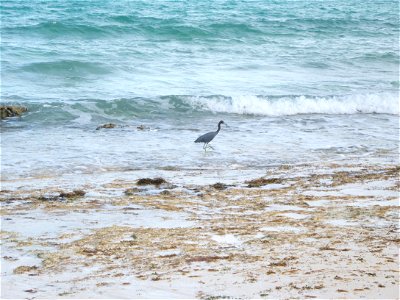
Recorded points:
(106, 126)
(11, 111)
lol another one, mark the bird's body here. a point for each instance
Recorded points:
(208, 137)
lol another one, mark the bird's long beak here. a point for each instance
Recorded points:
(226, 125)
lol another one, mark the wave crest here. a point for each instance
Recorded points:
(293, 105)
(86, 111)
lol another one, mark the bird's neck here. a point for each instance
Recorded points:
(219, 127)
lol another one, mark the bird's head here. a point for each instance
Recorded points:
(222, 122)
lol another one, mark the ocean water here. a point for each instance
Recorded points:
(296, 81)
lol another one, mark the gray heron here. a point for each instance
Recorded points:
(208, 137)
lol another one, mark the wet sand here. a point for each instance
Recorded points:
(304, 231)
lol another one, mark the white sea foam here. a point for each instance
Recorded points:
(385, 103)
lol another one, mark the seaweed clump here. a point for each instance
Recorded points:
(72, 195)
(64, 195)
(263, 181)
(219, 186)
(151, 181)
(25, 269)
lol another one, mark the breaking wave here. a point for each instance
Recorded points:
(85, 111)
(292, 105)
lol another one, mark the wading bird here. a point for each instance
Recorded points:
(208, 137)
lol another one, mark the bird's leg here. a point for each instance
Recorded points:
(210, 147)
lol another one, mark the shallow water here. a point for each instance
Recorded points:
(249, 143)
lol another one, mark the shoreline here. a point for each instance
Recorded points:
(308, 231)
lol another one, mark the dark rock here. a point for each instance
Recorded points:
(11, 111)
(108, 125)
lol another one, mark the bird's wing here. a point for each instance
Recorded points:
(205, 138)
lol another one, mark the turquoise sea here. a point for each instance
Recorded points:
(297, 81)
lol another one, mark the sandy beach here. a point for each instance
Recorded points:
(296, 231)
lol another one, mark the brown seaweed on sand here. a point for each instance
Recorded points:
(206, 258)
(253, 238)
(263, 181)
